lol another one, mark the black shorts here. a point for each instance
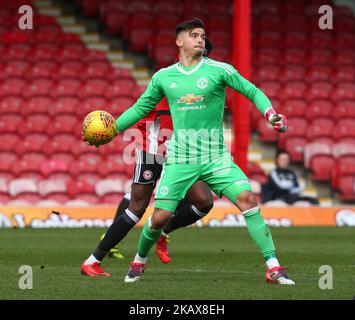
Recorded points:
(148, 168)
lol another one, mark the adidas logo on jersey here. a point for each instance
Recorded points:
(173, 85)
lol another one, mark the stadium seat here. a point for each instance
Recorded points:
(69, 69)
(267, 55)
(292, 73)
(93, 88)
(53, 165)
(271, 88)
(10, 123)
(321, 166)
(64, 105)
(64, 123)
(344, 109)
(36, 123)
(344, 129)
(77, 187)
(266, 131)
(321, 108)
(319, 57)
(343, 148)
(8, 142)
(344, 57)
(267, 72)
(50, 189)
(293, 108)
(90, 104)
(319, 128)
(120, 88)
(344, 74)
(293, 90)
(96, 69)
(36, 105)
(83, 166)
(347, 187)
(295, 147)
(19, 187)
(118, 73)
(12, 87)
(108, 186)
(94, 55)
(319, 73)
(293, 56)
(108, 168)
(14, 68)
(164, 56)
(113, 198)
(60, 143)
(297, 127)
(66, 87)
(11, 104)
(344, 91)
(114, 21)
(43, 69)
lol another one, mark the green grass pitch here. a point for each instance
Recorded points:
(206, 263)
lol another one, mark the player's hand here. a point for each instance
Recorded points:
(278, 121)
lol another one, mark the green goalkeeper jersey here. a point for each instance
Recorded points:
(196, 98)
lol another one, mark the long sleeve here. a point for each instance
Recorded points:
(147, 101)
(234, 80)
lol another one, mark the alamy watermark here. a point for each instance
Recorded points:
(326, 20)
(326, 280)
(26, 280)
(25, 22)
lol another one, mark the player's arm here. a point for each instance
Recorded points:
(234, 80)
(147, 102)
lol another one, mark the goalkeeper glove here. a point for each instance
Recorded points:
(278, 121)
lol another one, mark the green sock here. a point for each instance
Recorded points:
(260, 233)
(147, 239)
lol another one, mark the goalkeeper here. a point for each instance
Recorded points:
(195, 90)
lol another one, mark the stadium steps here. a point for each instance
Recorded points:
(89, 32)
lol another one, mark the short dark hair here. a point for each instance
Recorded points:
(189, 25)
(280, 152)
(208, 47)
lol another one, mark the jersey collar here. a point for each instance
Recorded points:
(191, 71)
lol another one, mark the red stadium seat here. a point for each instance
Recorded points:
(112, 198)
(319, 128)
(53, 166)
(83, 166)
(344, 109)
(64, 105)
(344, 166)
(319, 90)
(79, 189)
(8, 141)
(60, 143)
(268, 39)
(109, 186)
(11, 104)
(108, 168)
(114, 21)
(16, 52)
(32, 142)
(91, 104)
(293, 56)
(66, 87)
(138, 39)
(82, 149)
(267, 72)
(271, 88)
(36, 123)
(120, 88)
(97, 69)
(43, 69)
(119, 105)
(118, 73)
(69, 69)
(344, 91)
(344, 129)
(347, 187)
(319, 57)
(292, 73)
(344, 74)
(93, 88)
(38, 87)
(14, 68)
(164, 56)
(297, 127)
(344, 57)
(319, 109)
(295, 147)
(73, 53)
(343, 149)
(321, 166)
(320, 40)
(316, 148)
(12, 86)
(345, 24)
(293, 108)
(319, 73)
(344, 40)
(295, 39)
(294, 90)
(94, 55)
(266, 132)
(26, 169)
(10, 123)
(37, 105)
(64, 123)
(266, 55)
(45, 51)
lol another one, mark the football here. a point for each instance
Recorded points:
(99, 127)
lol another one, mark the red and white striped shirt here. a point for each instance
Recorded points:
(156, 129)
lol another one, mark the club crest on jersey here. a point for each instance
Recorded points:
(173, 85)
(202, 83)
(164, 190)
(147, 174)
(191, 98)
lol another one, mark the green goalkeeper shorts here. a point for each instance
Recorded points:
(223, 177)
